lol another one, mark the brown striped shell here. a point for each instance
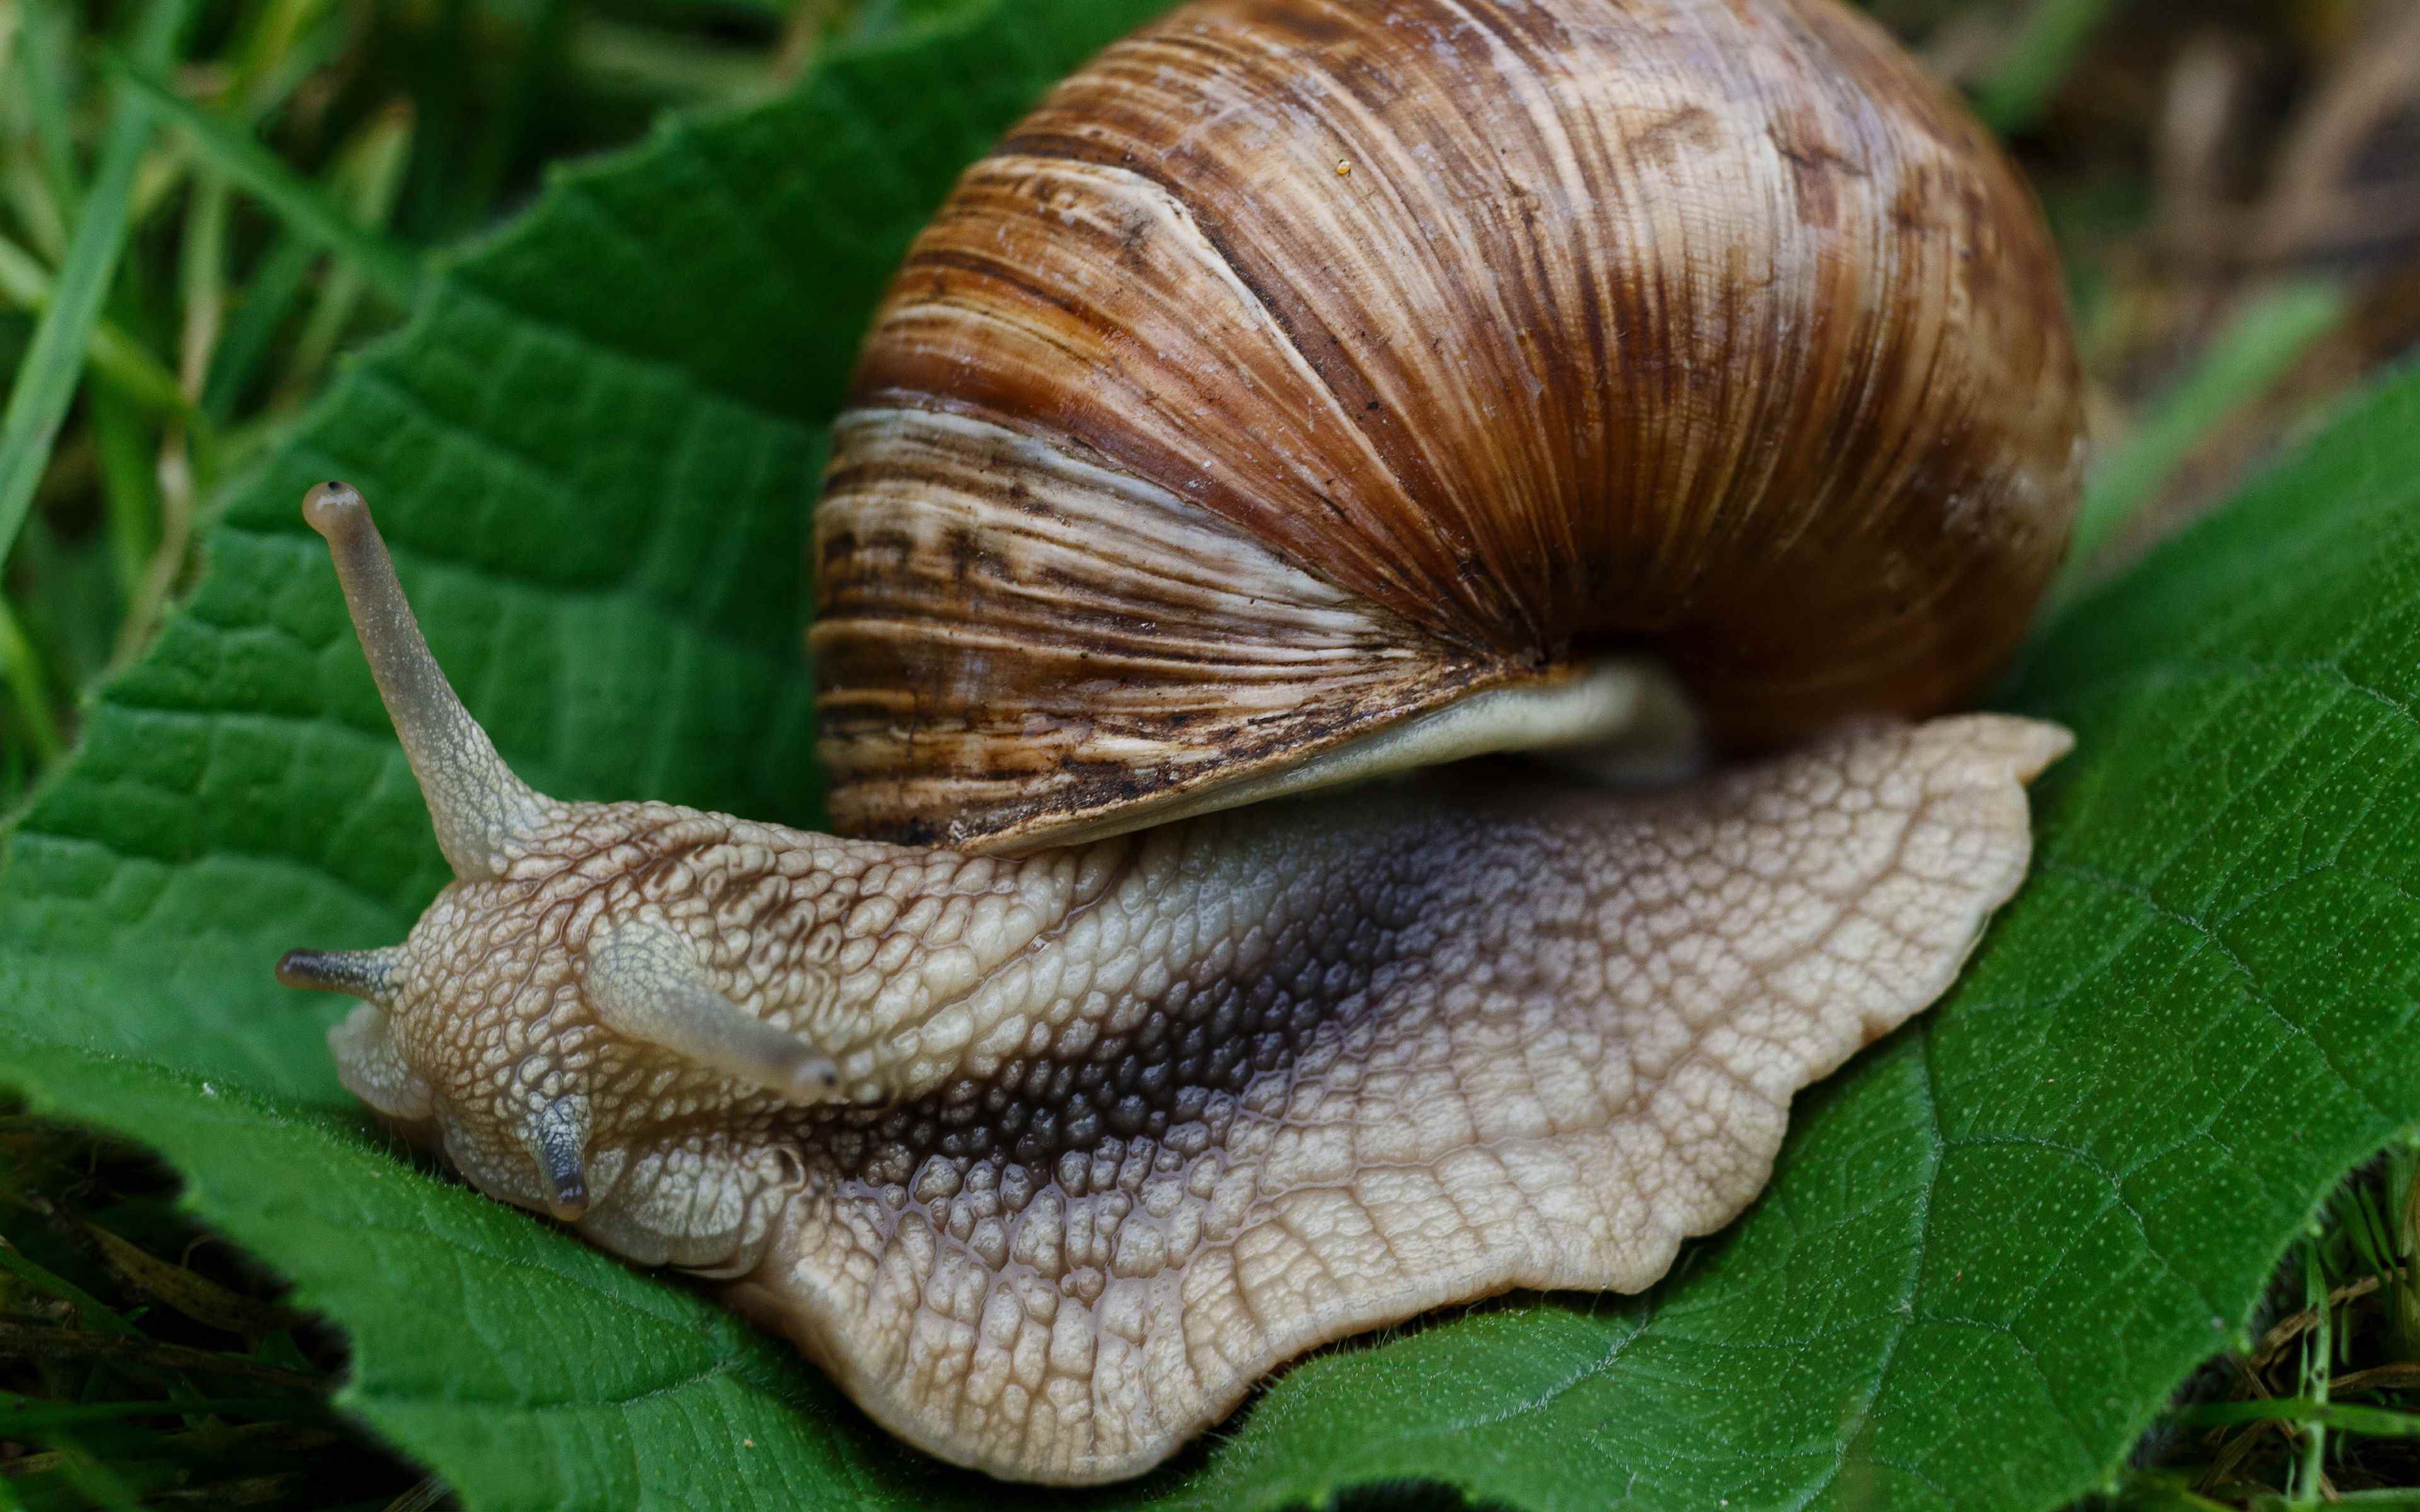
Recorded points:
(1303, 365)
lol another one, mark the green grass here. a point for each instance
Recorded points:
(143, 1363)
(2324, 1408)
(2241, 361)
(48, 377)
(305, 209)
(204, 205)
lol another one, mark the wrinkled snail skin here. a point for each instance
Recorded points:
(1310, 1070)
(1302, 363)
(1309, 392)
(1090, 1140)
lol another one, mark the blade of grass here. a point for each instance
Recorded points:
(46, 378)
(322, 47)
(70, 601)
(2255, 350)
(41, 59)
(25, 190)
(2403, 1188)
(32, 1411)
(421, 1497)
(94, 1314)
(2366, 1226)
(679, 12)
(266, 49)
(29, 690)
(2037, 62)
(440, 89)
(271, 295)
(93, 1478)
(129, 491)
(665, 66)
(188, 1291)
(2346, 1418)
(168, 558)
(202, 289)
(31, 1414)
(542, 46)
(392, 269)
(115, 357)
(2161, 1491)
(28, 1341)
(369, 172)
(201, 274)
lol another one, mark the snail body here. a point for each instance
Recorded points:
(1307, 392)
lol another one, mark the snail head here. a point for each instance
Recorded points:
(608, 994)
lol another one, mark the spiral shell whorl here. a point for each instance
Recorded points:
(1302, 364)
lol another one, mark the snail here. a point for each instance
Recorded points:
(1310, 404)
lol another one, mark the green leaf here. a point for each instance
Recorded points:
(1992, 1247)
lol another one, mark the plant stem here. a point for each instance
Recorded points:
(2317, 1355)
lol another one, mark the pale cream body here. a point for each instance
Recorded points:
(1118, 1128)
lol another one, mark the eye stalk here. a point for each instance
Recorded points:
(368, 975)
(560, 1141)
(643, 982)
(482, 812)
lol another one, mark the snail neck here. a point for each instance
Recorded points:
(1617, 719)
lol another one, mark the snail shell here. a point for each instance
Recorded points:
(1301, 366)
